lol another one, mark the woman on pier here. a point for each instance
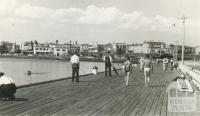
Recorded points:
(147, 69)
(127, 69)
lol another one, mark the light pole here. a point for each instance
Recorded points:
(183, 18)
(176, 57)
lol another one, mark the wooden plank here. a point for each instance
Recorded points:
(120, 101)
(95, 95)
(164, 109)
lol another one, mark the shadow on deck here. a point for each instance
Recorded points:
(95, 95)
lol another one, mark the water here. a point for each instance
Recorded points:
(43, 70)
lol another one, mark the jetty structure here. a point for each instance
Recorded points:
(97, 95)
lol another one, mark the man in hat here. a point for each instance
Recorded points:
(75, 67)
(108, 64)
(7, 87)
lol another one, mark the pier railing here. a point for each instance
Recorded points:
(193, 73)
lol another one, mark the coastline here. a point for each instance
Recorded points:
(84, 59)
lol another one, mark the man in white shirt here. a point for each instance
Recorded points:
(75, 67)
(7, 87)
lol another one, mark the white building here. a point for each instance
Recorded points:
(41, 49)
(153, 47)
(135, 48)
(197, 50)
(25, 46)
(84, 47)
(52, 48)
(121, 46)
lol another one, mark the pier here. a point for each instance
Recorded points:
(97, 95)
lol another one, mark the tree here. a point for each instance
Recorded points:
(100, 48)
(32, 44)
(85, 53)
(36, 42)
(3, 49)
(56, 41)
(18, 51)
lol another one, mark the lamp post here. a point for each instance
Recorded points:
(183, 18)
(176, 57)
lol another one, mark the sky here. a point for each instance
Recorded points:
(99, 21)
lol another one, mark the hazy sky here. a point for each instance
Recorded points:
(101, 21)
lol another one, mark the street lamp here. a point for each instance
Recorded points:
(184, 19)
(176, 57)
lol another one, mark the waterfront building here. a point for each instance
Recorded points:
(84, 47)
(135, 48)
(15, 48)
(154, 47)
(51, 49)
(197, 53)
(189, 52)
(120, 48)
(108, 47)
(42, 49)
(197, 50)
(27, 47)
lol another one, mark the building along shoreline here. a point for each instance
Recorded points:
(86, 59)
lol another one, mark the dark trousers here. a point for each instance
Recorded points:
(172, 65)
(8, 91)
(108, 69)
(75, 72)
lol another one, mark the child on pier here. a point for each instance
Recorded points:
(127, 69)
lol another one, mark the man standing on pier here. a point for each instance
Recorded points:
(108, 63)
(75, 67)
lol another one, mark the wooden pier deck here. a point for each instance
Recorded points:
(95, 96)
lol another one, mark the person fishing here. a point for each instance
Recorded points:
(108, 64)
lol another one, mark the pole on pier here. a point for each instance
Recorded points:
(176, 53)
(183, 18)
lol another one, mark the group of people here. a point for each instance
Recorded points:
(173, 64)
(76, 66)
(145, 67)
